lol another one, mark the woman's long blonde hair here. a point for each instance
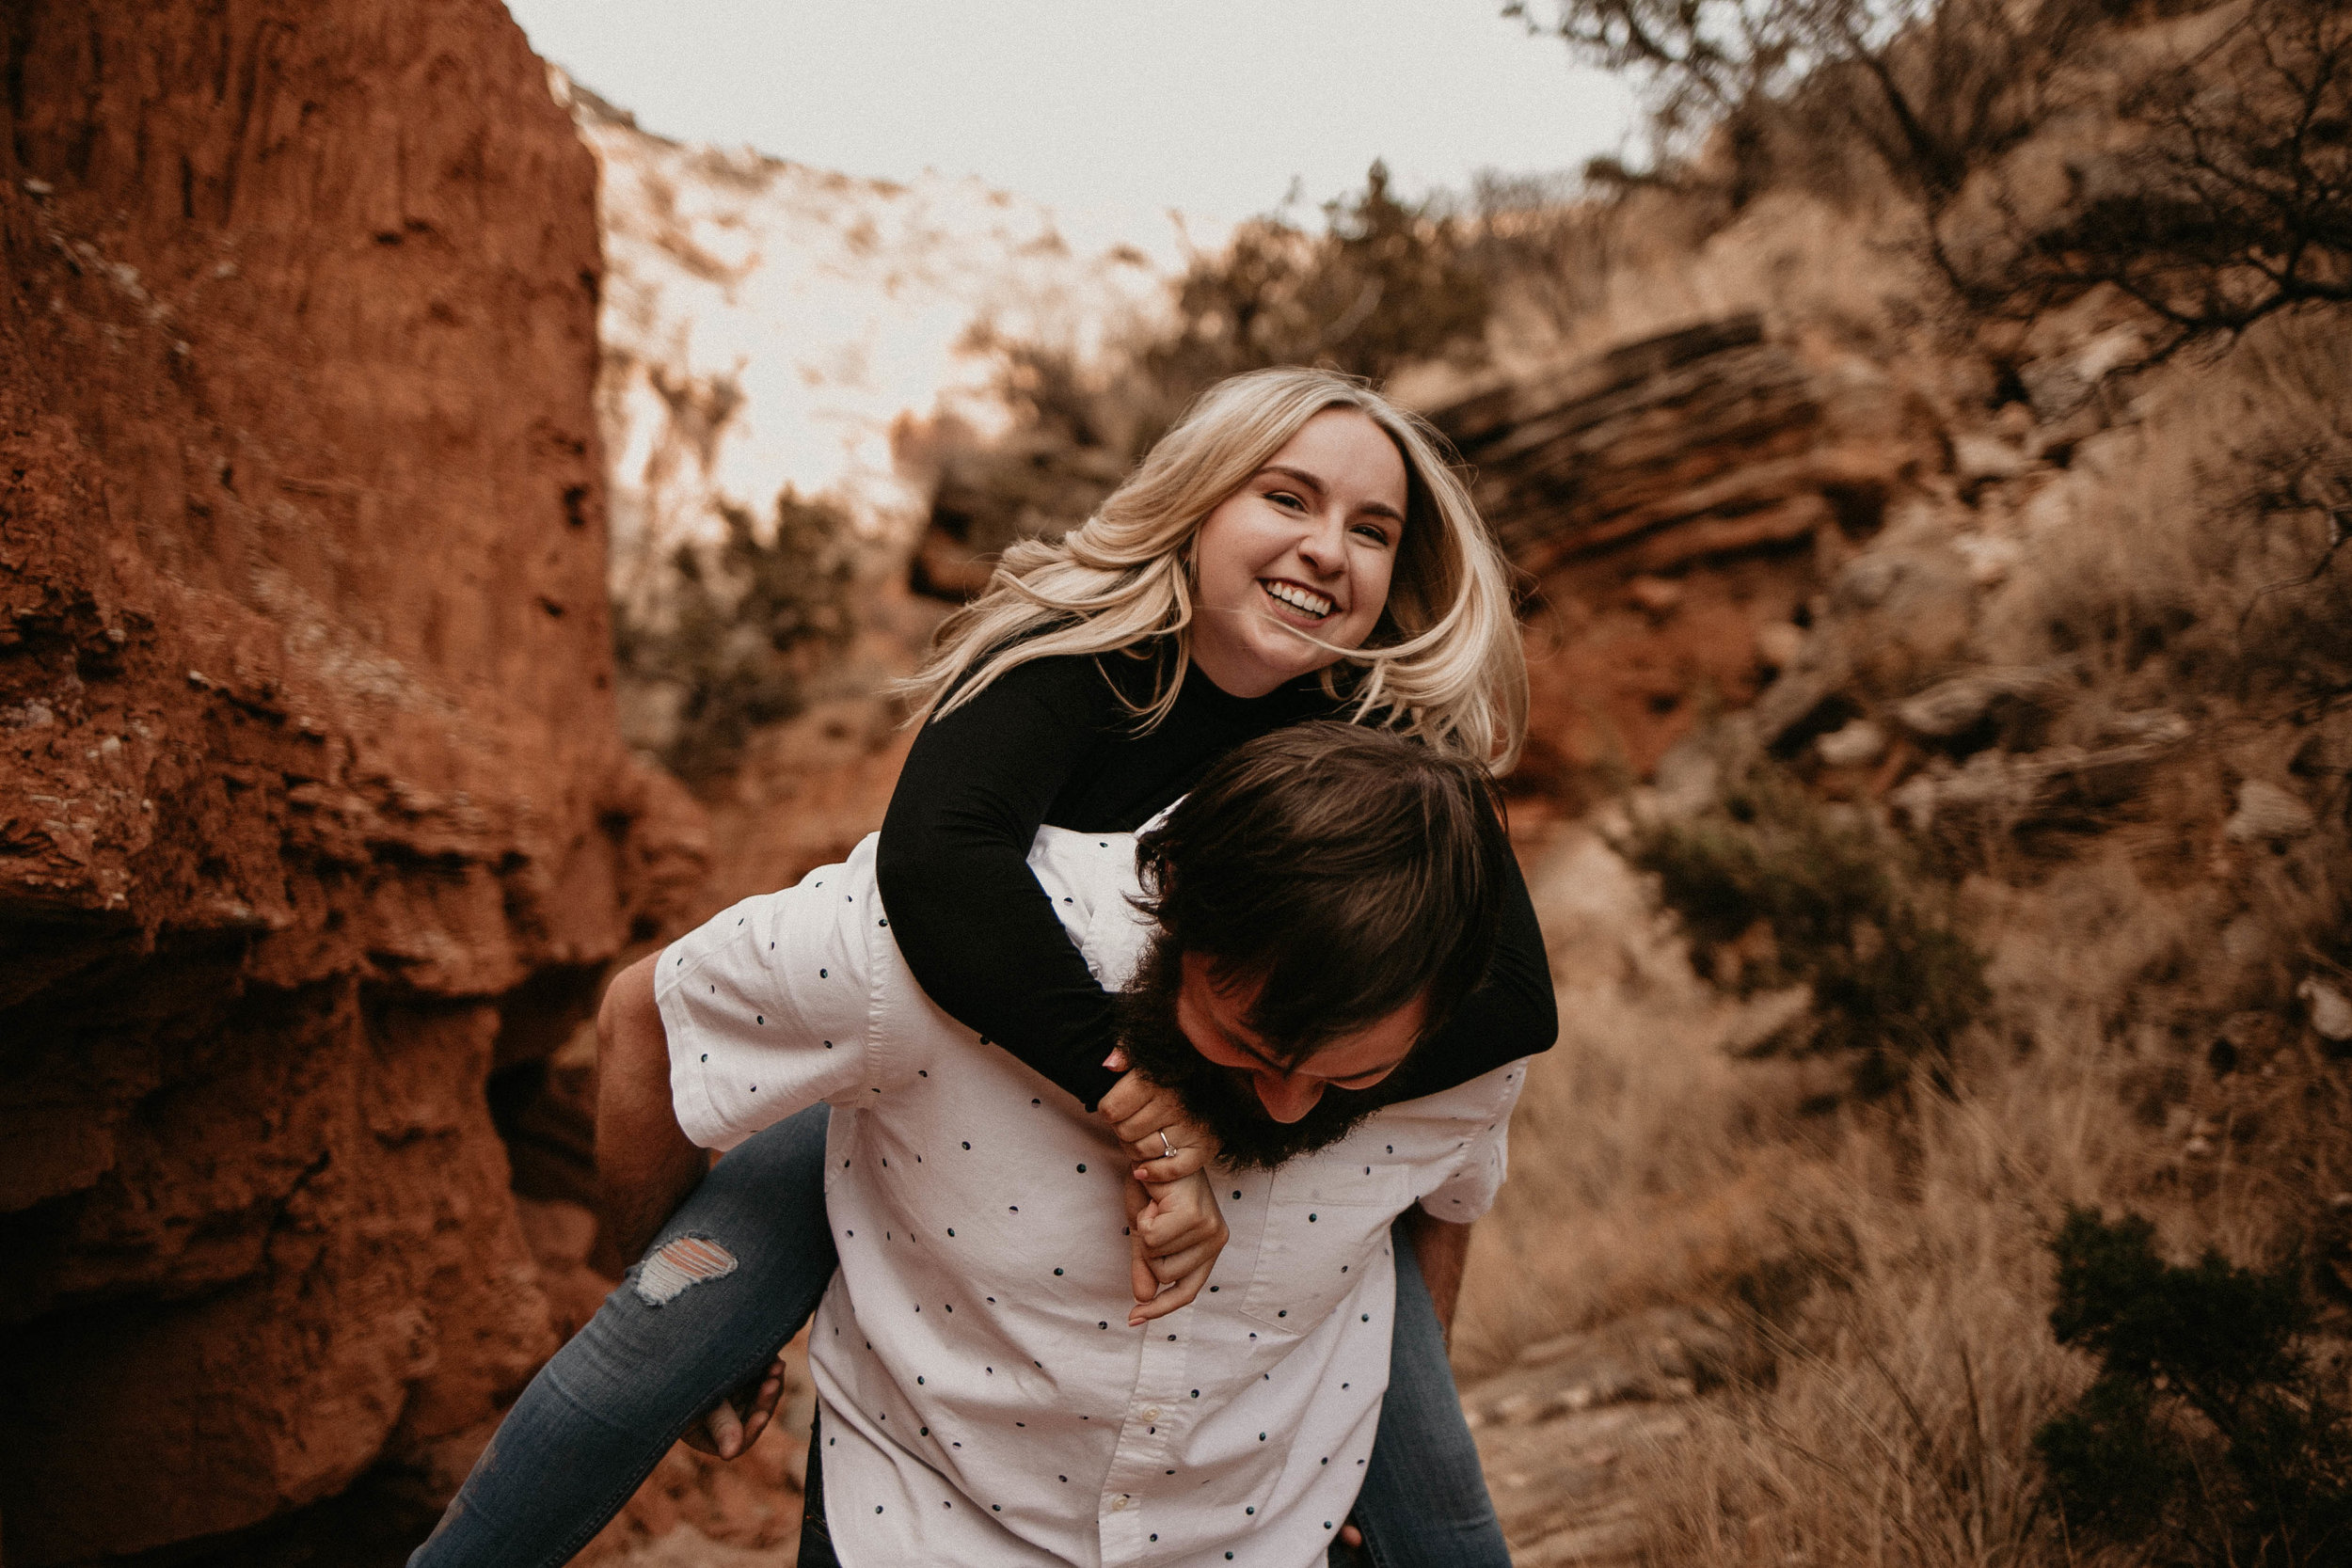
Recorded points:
(1444, 662)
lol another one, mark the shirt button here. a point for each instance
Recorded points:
(1150, 1412)
(1118, 1504)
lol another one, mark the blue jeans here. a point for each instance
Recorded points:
(1424, 1498)
(603, 1411)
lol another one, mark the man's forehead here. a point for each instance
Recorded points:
(1380, 1045)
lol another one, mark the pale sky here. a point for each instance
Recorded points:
(1103, 107)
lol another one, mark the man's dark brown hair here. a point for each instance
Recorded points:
(1348, 869)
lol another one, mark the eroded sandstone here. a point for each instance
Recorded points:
(312, 806)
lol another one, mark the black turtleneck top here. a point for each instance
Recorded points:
(1050, 744)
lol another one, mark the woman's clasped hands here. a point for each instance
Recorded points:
(1175, 1230)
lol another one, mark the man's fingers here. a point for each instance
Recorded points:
(762, 1413)
(726, 1429)
(1349, 1534)
(1179, 1294)
(763, 1402)
(729, 1427)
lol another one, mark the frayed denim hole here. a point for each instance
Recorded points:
(679, 1265)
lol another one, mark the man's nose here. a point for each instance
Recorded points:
(1286, 1099)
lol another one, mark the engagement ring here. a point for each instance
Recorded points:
(1169, 1148)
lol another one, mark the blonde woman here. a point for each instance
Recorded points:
(1294, 548)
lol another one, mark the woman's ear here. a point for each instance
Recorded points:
(1188, 553)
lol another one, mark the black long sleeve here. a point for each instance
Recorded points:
(977, 930)
(1512, 1013)
(1051, 742)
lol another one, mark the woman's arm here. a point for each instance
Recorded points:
(1512, 1013)
(976, 929)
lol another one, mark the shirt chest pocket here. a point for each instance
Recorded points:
(1325, 1223)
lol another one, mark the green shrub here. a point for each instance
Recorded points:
(1385, 283)
(2207, 1434)
(1776, 890)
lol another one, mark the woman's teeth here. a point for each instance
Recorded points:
(1305, 600)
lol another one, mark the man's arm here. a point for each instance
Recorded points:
(1441, 1248)
(645, 1165)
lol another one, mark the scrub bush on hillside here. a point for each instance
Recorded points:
(1776, 890)
(2207, 1437)
(750, 622)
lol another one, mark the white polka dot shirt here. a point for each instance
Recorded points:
(984, 1401)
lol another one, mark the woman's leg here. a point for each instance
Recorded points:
(1424, 1502)
(684, 1329)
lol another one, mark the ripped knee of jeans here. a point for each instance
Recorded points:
(680, 1264)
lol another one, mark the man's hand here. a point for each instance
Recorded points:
(728, 1430)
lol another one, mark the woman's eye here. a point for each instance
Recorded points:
(1284, 499)
(1373, 533)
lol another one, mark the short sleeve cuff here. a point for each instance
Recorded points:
(1470, 1190)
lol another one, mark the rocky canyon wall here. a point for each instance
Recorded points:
(312, 808)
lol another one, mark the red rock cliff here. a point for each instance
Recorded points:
(311, 807)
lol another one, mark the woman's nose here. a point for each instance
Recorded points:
(1287, 1098)
(1324, 546)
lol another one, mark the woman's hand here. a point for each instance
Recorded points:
(728, 1429)
(1175, 1233)
(1166, 1144)
(1174, 1227)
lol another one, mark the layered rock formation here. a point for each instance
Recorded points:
(1676, 502)
(311, 805)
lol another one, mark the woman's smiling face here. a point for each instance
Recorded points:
(1307, 543)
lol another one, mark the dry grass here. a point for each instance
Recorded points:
(1894, 1267)
(1815, 269)
(2187, 556)
(1899, 1426)
(1648, 1166)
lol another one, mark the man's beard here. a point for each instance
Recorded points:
(1218, 1097)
